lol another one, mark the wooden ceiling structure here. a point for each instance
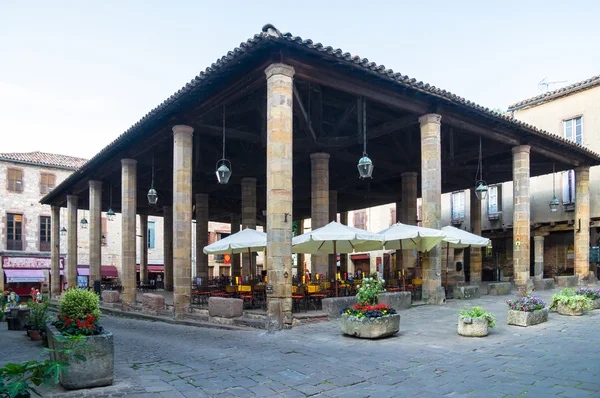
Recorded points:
(329, 87)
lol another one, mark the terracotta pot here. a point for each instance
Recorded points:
(35, 335)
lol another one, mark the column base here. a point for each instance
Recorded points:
(274, 316)
(435, 296)
(527, 285)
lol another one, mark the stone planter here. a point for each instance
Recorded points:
(566, 310)
(567, 280)
(98, 368)
(523, 318)
(473, 327)
(370, 328)
(596, 304)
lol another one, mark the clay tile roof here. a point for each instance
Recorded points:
(550, 95)
(45, 159)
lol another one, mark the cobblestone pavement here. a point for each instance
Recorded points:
(427, 359)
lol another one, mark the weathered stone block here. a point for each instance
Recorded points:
(98, 368)
(499, 288)
(566, 310)
(225, 307)
(396, 300)
(152, 302)
(466, 292)
(567, 281)
(523, 318)
(435, 297)
(110, 296)
(334, 305)
(544, 284)
(370, 328)
(473, 327)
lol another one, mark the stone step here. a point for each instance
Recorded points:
(197, 317)
(249, 322)
(262, 316)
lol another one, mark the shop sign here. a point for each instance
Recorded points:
(29, 262)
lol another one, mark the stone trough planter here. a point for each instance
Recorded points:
(370, 328)
(596, 304)
(473, 327)
(98, 368)
(566, 310)
(524, 318)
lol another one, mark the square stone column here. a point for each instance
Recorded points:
(538, 252)
(202, 237)
(344, 256)
(95, 240)
(54, 251)
(582, 224)
(168, 246)
(280, 194)
(235, 258)
(407, 214)
(476, 257)
(319, 206)
(332, 269)
(431, 187)
(248, 214)
(521, 217)
(182, 218)
(143, 248)
(128, 238)
(300, 256)
(73, 226)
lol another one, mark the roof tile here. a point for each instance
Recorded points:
(592, 81)
(45, 159)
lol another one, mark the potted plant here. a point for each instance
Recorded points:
(527, 311)
(366, 319)
(593, 295)
(78, 315)
(475, 322)
(567, 302)
(37, 319)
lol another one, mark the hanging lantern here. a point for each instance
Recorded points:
(365, 165)
(83, 223)
(223, 171)
(103, 239)
(152, 194)
(110, 214)
(481, 190)
(63, 231)
(554, 203)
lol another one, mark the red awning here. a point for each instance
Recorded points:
(24, 275)
(359, 257)
(152, 268)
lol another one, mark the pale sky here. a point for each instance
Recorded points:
(75, 75)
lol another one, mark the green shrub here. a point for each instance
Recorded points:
(478, 312)
(572, 300)
(78, 304)
(369, 290)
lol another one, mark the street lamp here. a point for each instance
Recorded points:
(554, 203)
(102, 239)
(480, 185)
(152, 195)
(365, 165)
(63, 231)
(110, 214)
(83, 223)
(223, 171)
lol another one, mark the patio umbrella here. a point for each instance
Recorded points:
(336, 238)
(246, 241)
(402, 236)
(460, 239)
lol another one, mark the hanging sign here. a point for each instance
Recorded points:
(518, 241)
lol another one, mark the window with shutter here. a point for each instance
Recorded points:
(14, 180)
(568, 188)
(47, 182)
(573, 129)
(14, 231)
(45, 233)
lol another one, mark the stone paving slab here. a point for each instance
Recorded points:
(426, 359)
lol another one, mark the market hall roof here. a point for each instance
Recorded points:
(44, 159)
(396, 100)
(561, 92)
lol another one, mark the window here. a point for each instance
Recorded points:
(568, 187)
(494, 198)
(151, 234)
(45, 228)
(14, 227)
(15, 180)
(458, 206)
(104, 230)
(573, 129)
(47, 183)
(360, 219)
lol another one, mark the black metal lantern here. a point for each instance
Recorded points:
(554, 203)
(224, 169)
(83, 223)
(63, 231)
(365, 165)
(152, 194)
(102, 239)
(110, 214)
(480, 185)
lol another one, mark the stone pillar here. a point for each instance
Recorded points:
(279, 194)
(538, 252)
(582, 223)
(73, 226)
(476, 255)
(248, 214)
(431, 187)
(319, 206)
(168, 246)
(95, 225)
(332, 269)
(143, 248)
(344, 256)
(521, 217)
(408, 211)
(300, 256)
(235, 258)
(128, 238)
(202, 237)
(54, 252)
(182, 217)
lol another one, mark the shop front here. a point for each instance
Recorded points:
(156, 275)
(109, 274)
(22, 273)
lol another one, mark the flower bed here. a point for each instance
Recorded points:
(527, 311)
(369, 311)
(591, 294)
(567, 302)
